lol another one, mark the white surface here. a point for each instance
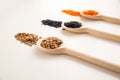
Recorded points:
(21, 62)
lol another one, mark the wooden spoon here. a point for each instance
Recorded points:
(63, 50)
(102, 17)
(86, 30)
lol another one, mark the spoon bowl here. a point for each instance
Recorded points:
(81, 29)
(58, 50)
(95, 17)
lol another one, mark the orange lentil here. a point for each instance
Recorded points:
(71, 12)
(90, 12)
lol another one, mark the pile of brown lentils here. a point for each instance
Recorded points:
(51, 43)
(27, 38)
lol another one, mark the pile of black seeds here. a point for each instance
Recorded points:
(52, 23)
(73, 24)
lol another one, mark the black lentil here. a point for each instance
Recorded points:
(73, 24)
(52, 23)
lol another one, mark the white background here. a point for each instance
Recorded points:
(21, 62)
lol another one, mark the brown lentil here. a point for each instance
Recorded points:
(27, 38)
(51, 43)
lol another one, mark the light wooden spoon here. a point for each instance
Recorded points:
(63, 50)
(86, 30)
(102, 17)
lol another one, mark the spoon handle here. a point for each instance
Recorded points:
(110, 19)
(93, 60)
(103, 34)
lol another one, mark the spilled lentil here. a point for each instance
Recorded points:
(52, 23)
(27, 38)
(72, 12)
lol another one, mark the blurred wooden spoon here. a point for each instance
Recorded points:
(63, 50)
(86, 30)
(99, 16)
